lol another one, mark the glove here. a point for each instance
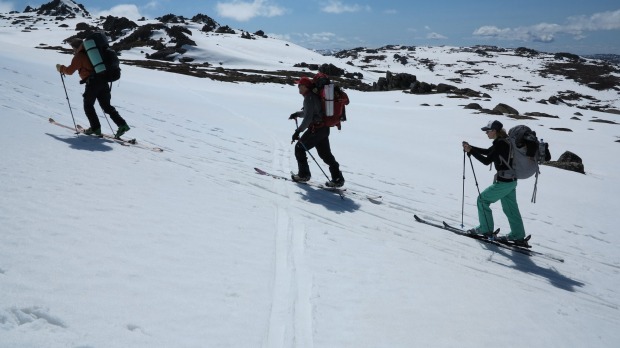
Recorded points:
(293, 116)
(58, 67)
(295, 136)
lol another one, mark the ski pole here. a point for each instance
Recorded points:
(308, 151)
(62, 78)
(478, 188)
(104, 114)
(463, 196)
(106, 118)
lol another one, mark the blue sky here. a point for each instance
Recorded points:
(581, 27)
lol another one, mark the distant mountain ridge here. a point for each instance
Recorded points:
(191, 46)
(613, 58)
(60, 8)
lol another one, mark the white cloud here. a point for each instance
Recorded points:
(6, 7)
(321, 37)
(244, 11)
(284, 37)
(337, 7)
(547, 32)
(321, 40)
(609, 20)
(435, 36)
(129, 11)
(151, 5)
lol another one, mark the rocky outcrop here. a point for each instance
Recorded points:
(568, 161)
(60, 8)
(505, 109)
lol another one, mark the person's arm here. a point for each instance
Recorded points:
(73, 67)
(485, 156)
(309, 112)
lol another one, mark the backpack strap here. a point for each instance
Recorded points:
(510, 173)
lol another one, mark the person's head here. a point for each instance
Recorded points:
(494, 129)
(305, 84)
(76, 44)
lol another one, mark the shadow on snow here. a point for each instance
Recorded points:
(85, 142)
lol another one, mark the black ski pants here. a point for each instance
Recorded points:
(319, 138)
(99, 90)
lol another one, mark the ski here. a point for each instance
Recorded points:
(342, 192)
(493, 238)
(505, 245)
(125, 142)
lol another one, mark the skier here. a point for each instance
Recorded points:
(316, 135)
(502, 189)
(96, 89)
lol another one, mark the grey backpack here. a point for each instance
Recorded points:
(526, 154)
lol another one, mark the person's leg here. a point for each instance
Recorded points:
(90, 95)
(105, 101)
(323, 149)
(490, 195)
(511, 209)
(306, 142)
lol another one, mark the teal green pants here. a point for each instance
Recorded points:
(506, 192)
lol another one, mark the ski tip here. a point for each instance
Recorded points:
(375, 200)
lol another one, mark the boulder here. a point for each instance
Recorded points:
(505, 109)
(568, 161)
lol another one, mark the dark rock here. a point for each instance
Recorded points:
(400, 81)
(171, 18)
(603, 121)
(540, 114)
(491, 112)
(568, 56)
(505, 109)
(474, 106)
(421, 88)
(225, 30)
(568, 161)
(598, 75)
(522, 51)
(209, 23)
(115, 27)
(331, 70)
(445, 88)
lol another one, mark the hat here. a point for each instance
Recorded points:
(75, 43)
(493, 125)
(305, 81)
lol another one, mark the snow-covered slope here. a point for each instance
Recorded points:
(109, 246)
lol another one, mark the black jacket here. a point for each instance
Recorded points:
(500, 147)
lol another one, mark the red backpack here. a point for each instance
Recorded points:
(333, 100)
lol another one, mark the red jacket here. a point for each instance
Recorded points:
(79, 63)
